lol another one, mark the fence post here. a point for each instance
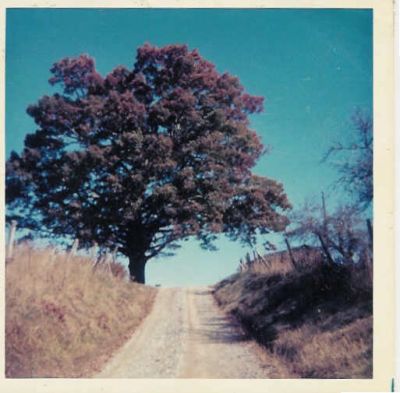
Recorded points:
(325, 248)
(93, 252)
(262, 259)
(369, 265)
(369, 254)
(107, 260)
(74, 247)
(370, 234)
(245, 267)
(73, 250)
(114, 254)
(290, 253)
(255, 257)
(11, 239)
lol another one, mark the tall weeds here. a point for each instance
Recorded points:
(64, 319)
(314, 319)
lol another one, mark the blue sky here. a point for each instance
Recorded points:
(314, 68)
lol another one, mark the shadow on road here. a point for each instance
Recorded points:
(204, 292)
(217, 329)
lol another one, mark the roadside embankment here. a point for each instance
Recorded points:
(64, 318)
(316, 321)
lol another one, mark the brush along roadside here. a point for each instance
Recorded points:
(65, 319)
(315, 321)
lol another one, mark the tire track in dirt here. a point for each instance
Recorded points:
(186, 335)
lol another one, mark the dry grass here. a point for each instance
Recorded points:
(309, 352)
(314, 321)
(62, 318)
(280, 262)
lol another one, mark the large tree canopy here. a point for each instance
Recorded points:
(142, 158)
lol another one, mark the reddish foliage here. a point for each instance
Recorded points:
(142, 158)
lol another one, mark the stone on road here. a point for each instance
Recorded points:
(186, 335)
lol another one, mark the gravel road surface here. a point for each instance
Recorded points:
(186, 335)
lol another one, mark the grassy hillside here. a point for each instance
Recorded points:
(314, 321)
(64, 319)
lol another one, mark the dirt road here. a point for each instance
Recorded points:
(187, 336)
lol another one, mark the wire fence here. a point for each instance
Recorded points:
(97, 256)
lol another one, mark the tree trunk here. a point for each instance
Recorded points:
(137, 264)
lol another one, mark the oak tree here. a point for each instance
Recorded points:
(144, 157)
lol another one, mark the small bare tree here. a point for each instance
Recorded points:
(354, 160)
(342, 235)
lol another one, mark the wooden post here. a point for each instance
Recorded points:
(243, 265)
(255, 257)
(74, 247)
(72, 251)
(97, 261)
(325, 248)
(101, 258)
(261, 260)
(93, 252)
(11, 239)
(114, 254)
(108, 259)
(369, 265)
(369, 253)
(370, 234)
(290, 253)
